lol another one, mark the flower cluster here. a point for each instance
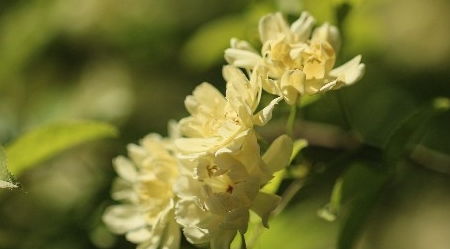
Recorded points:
(297, 59)
(207, 176)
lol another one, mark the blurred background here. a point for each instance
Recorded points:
(131, 63)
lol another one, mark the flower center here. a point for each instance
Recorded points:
(220, 184)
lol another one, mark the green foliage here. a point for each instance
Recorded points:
(205, 48)
(299, 145)
(360, 191)
(298, 227)
(331, 210)
(6, 180)
(46, 141)
(54, 56)
(409, 133)
(207, 45)
(17, 48)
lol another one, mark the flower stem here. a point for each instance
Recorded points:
(290, 126)
(287, 196)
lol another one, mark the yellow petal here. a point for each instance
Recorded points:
(232, 73)
(125, 169)
(328, 33)
(292, 85)
(204, 96)
(222, 240)
(271, 26)
(263, 116)
(196, 145)
(278, 154)
(302, 27)
(350, 72)
(264, 204)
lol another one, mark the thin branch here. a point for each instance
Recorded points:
(290, 126)
(287, 196)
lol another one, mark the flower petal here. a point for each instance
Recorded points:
(222, 240)
(196, 235)
(172, 236)
(350, 72)
(232, 73)
(236, 219)
(196, 145)
(123, 191)
(303, 26)
(271, 86)
(278, 154)
(204, 95)
(139, 235)
(292, 85)
(125, 168)
(263, 116)
(123, 218)
(272, 26)
(264, 204)
(328, 33)
(241, 58)
(242, 54)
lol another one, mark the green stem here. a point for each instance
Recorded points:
(287, 196)
(290, 126)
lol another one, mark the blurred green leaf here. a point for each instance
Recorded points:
(408, 133)
(47, 141)
(437, 133)
(379, 98)
(360, 190)
(17, 48)
(331, 210)
(6, 180)
(207, 45)
(274, 183)
(297, 227)
(299, 144)
(323, 11)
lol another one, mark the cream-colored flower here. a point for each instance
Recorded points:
(144, 188)
(219, 121)
(218, 191)
(297, 59)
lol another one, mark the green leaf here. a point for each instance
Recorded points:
(44, 142)
(18, 48)
(360, 191)
(6, 180)
(331, 210)
(299, 145)
(403, 139)
(206, 47)
(297, 227)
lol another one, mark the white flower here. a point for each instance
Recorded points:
(218, 191)
(297, 59)
(144, 188)
(217, 121)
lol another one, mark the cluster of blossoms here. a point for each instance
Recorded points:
(207, 176)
